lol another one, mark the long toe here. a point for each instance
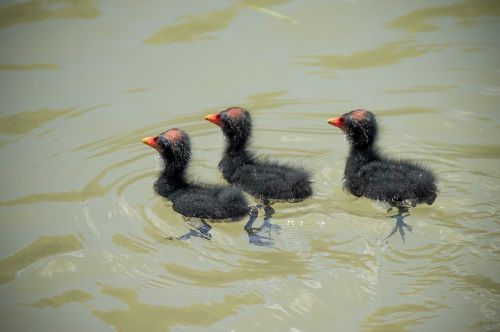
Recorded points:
(394, 230)
(402, 232)
(205, 229)
(260, 236)
(193, 233)
(400, 225)
(206, 236)
(267, 225)
(186, 236)
(408, 227)
(261, 241)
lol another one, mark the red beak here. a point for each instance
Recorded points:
(151, 141)
(214, 118)
(337, 122)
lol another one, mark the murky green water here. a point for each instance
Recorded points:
(82, 233)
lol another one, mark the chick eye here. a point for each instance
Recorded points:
(160, 143)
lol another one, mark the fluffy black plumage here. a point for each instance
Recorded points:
(205, 201)
(261, 178)
(401, 183)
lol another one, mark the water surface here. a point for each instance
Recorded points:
(83, 234)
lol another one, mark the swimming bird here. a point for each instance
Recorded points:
(369, 173)
(267, 180)
(194, 199)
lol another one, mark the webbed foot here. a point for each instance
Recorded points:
(400, 226)
(260, 236)
(201, 230)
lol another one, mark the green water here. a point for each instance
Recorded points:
(83, 235)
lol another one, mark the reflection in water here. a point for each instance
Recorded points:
(346, 259)
(195, 27)
(161, 317)
(77, 113)
(408, 111)
(133, 244)
(70, 296)
(431, 251)
(385, 54)
(27, 67)
(24, 122)
(303, 303)
(403, 317)
(91, 190)
(425, 88)
(273, 14)
(200, 26)
(39, 10)
(254, 103)
(328, 269)
(262, 3)
(253, 265)
(465, 13)
(267, 101)
(42, 247)
(156, 228)
(442, 273)
(137, 90)
(471, 151)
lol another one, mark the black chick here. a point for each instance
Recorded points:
(266, 180)
(194, 200)
(401, 183)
